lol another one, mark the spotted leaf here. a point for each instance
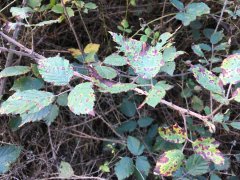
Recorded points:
(29, 101)
(56, 70)
(169, 162)
(116, 88)
(81, 99)
(207, 79)
(106, 72)
(207, 148)
(231, 69)
(174, 134)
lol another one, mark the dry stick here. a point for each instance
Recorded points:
(71, 26)
(19, 53)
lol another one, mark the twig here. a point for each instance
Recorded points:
(221, 15)
(51, 143)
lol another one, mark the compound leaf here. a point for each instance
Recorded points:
(81, 99)
(56, 70)
(8, 155)
(143, 166)
(124, 168)
(207, 148)
(29, 101)
(14, 71)
(134, 146)
(207, 79)
(173, 134)
(231, 69)
(169, 162)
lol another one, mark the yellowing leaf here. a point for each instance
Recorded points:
(65, 1)
(74, 52)
(91, 48)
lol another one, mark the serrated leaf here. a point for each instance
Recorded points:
(14, 71)
(106, 72)
(185, 18)
(52, 115)
(135, 146)
(173, 134)
(197, 104)
(169, 162)
(128, 108)
(124, 168)
(56, 70)
(196, 165)
(207, 79)
(230, 69)
(91, 48)
(115, 60)
(216, 37)
(156, 94)
(197, 50)
(207, 148)
(65, 170)
(29, 101)
(27, 83)
(169, 68)
(8, 155)
(198, 9)
(128, 126)
(143, 166)
(37, 116)
(22, 13)
(145, 121)
(116, 88)
(81, 99)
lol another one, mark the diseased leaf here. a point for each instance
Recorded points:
(197, 104)
(115, 60)
(65, 170)
(143, 166)
(91, 48)
(14, 71)
(124, 168)
(207, 148)
(207, 79)
(169, 162)
(81, 99)
(8, 155)
(173, 134)
(196, 165)
(27, 83)
(134, 146)
(156, 94)
(116, 88)
(22, 13)
(30, 101)
(106, 72)
(56, 70)
(231, 69)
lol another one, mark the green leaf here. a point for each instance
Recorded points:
(235, 125)
(196, 165)
(14, 123)
(34, 3)
(14, 71)
(58, 9)
(145, 122)
(128, 108)
(197, 50)
(81, 99)
(197, 104)
(230, 69)
(207, 79)
(174, 134)
(163, 145)
(65, 170)
(37, 116)
(216, 37)
(169, 68)
(8, 155)
(207, 148)
(198, 9)
(106, 72)
(215, 177)
(90, 5)
(52, 115)
(178, 4)
(156, 94)
(56, 70)
(169, 162)
(115, 60)
(170, 54)
(27, 83)
(218, 118)
(134, 146)
(128, 126)
(22, 13)
(29, 101)
(143, 166)
(116, 88)
(124, 168)
(105, 167)
(185, 18)
(62, 100)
